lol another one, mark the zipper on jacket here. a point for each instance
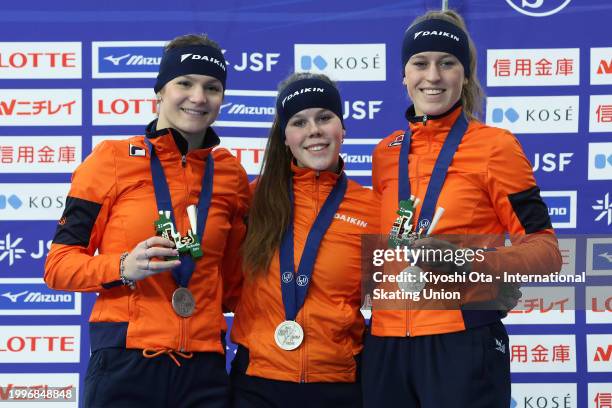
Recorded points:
(183, 333)
(425, 120)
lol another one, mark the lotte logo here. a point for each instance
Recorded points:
(538, 8)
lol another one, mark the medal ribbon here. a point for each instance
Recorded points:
(182, 273)
(294, 287)
(434, 188)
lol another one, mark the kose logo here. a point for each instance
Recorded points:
(538, 8)
(550, 162)
(343, 62)
(33, 201)
(600, 161)
(12, 200)
(307, 62)
(511, 114)
(534, 114)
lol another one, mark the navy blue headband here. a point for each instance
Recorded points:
(436, 35)
(194, 59)
(304, 94)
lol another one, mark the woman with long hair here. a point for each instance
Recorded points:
(298, 325)
(449, 174)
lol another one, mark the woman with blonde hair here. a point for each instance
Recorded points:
(456, 176)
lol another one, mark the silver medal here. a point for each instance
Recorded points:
(183, 302)
(288, 335)
(409, 280)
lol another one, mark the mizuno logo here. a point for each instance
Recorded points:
(606, 256)
(116, 60)
(13, 297)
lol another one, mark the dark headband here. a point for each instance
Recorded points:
(194, 59)
(436, 35)
(304, 94)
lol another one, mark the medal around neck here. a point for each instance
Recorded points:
(401, 230)
(183, 302)
(187, 244)
(289, 335)
(410, 279)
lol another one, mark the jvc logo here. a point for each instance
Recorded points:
(538, 8)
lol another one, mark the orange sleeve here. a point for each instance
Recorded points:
(71, 264)
(522, 212)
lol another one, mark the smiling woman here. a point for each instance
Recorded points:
(473, 180)
(152, 224)
(298, 324)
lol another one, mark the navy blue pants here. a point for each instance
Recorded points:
(468, 369)
(118, 377)
(256, 392)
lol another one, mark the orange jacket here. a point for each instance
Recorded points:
(489, 189)
(111, 207)
(331, 319)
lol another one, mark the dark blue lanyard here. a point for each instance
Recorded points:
(439, 171)
(294, 287)
(182, 273)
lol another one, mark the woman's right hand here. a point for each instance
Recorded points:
(139, 263)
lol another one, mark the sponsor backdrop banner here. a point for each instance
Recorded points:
(76, 73)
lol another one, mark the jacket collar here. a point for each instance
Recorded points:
(307, 175)
(169, 139)
(434, 126)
